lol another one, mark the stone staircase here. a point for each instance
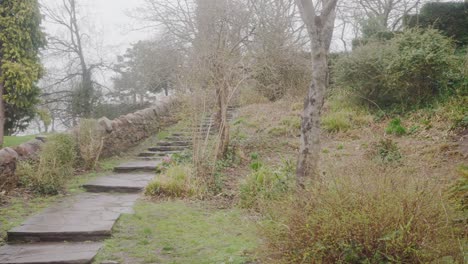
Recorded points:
(73, 230)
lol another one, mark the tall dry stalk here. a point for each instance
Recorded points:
(90, 142)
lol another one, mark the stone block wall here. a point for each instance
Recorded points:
(118, 134)
(129, 130)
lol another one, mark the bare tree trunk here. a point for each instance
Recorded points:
(320, 29)
(309, 153)
(222, 93)
(2, 115)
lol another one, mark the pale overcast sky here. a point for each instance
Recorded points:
(108, 19)
(108, 30)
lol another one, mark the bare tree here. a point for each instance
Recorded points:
(319, 18)
(213, 33)
(388, 14)
(223, 27)
(280, 64)
(78, 72)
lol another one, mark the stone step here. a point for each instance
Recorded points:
(167, 148)
(156, 154)
(183, 143)
(120, 183)
(46, 253)
(189, 130)
(83, 217)
(190, 133)
(137, 166)
(188, 139)
(148, 158)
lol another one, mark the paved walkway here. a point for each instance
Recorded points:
(72, 230)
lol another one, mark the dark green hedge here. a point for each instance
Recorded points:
(451, 18)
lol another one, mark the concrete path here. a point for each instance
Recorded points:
(79, 253)
(72, 230)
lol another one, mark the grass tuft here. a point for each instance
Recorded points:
(368, 215)
(48, 175)
(395, 128)
(175, 181)
(266, 184)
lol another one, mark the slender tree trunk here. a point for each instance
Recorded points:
(2, 115)
(223, 124)
(320, 29)
(309, 153)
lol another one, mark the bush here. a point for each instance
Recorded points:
(395, 128)
(385, 150)
(409, 70)
(451, 18)
(90, 142)
(175, 181)
(278, 73)
(266, 184)
(56, 159)
(249, 95)
(370, 215)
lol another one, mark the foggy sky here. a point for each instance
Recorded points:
(108, 20)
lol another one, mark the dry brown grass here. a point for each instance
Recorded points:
(363, 206)
(370, 214)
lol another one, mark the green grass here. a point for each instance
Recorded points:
(163, 134)
(13, 141)
(181, 232)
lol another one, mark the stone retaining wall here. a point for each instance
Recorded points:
(119, 135)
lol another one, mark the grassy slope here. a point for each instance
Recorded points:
(195, 232)
(181, 232)
(13, 141)
(429, 152)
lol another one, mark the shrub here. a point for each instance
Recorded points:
(386, 150)
(368, 215)
(451, 18)
(363, 72)
(266, 184)
(280, 72)
(90, 142)
(421, 65)
(175, 181)
(249, 96)
(395, 128)
(55, 165)
(411, 69)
